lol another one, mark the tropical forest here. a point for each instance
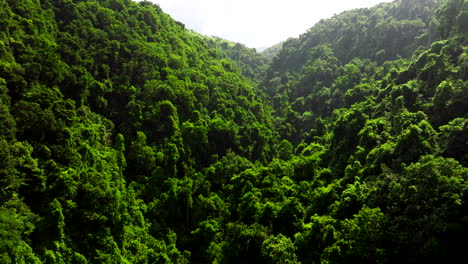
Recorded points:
(126, 137)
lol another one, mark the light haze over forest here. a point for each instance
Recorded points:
(256, 23)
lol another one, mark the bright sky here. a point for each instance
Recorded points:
(256, 23)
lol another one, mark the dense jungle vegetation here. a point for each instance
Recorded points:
(126, 138)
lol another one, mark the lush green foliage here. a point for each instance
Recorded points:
(125, 138)
(252, 64)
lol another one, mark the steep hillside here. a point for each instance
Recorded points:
(106, 107)
(380, 33)
(125, 138)
(311, 75)
(252, 64)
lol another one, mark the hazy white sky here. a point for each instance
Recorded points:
(256, 23)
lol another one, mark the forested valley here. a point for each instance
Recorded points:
(127, 138)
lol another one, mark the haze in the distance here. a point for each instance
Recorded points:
(256, 23)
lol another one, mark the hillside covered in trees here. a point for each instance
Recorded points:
(126, 138)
